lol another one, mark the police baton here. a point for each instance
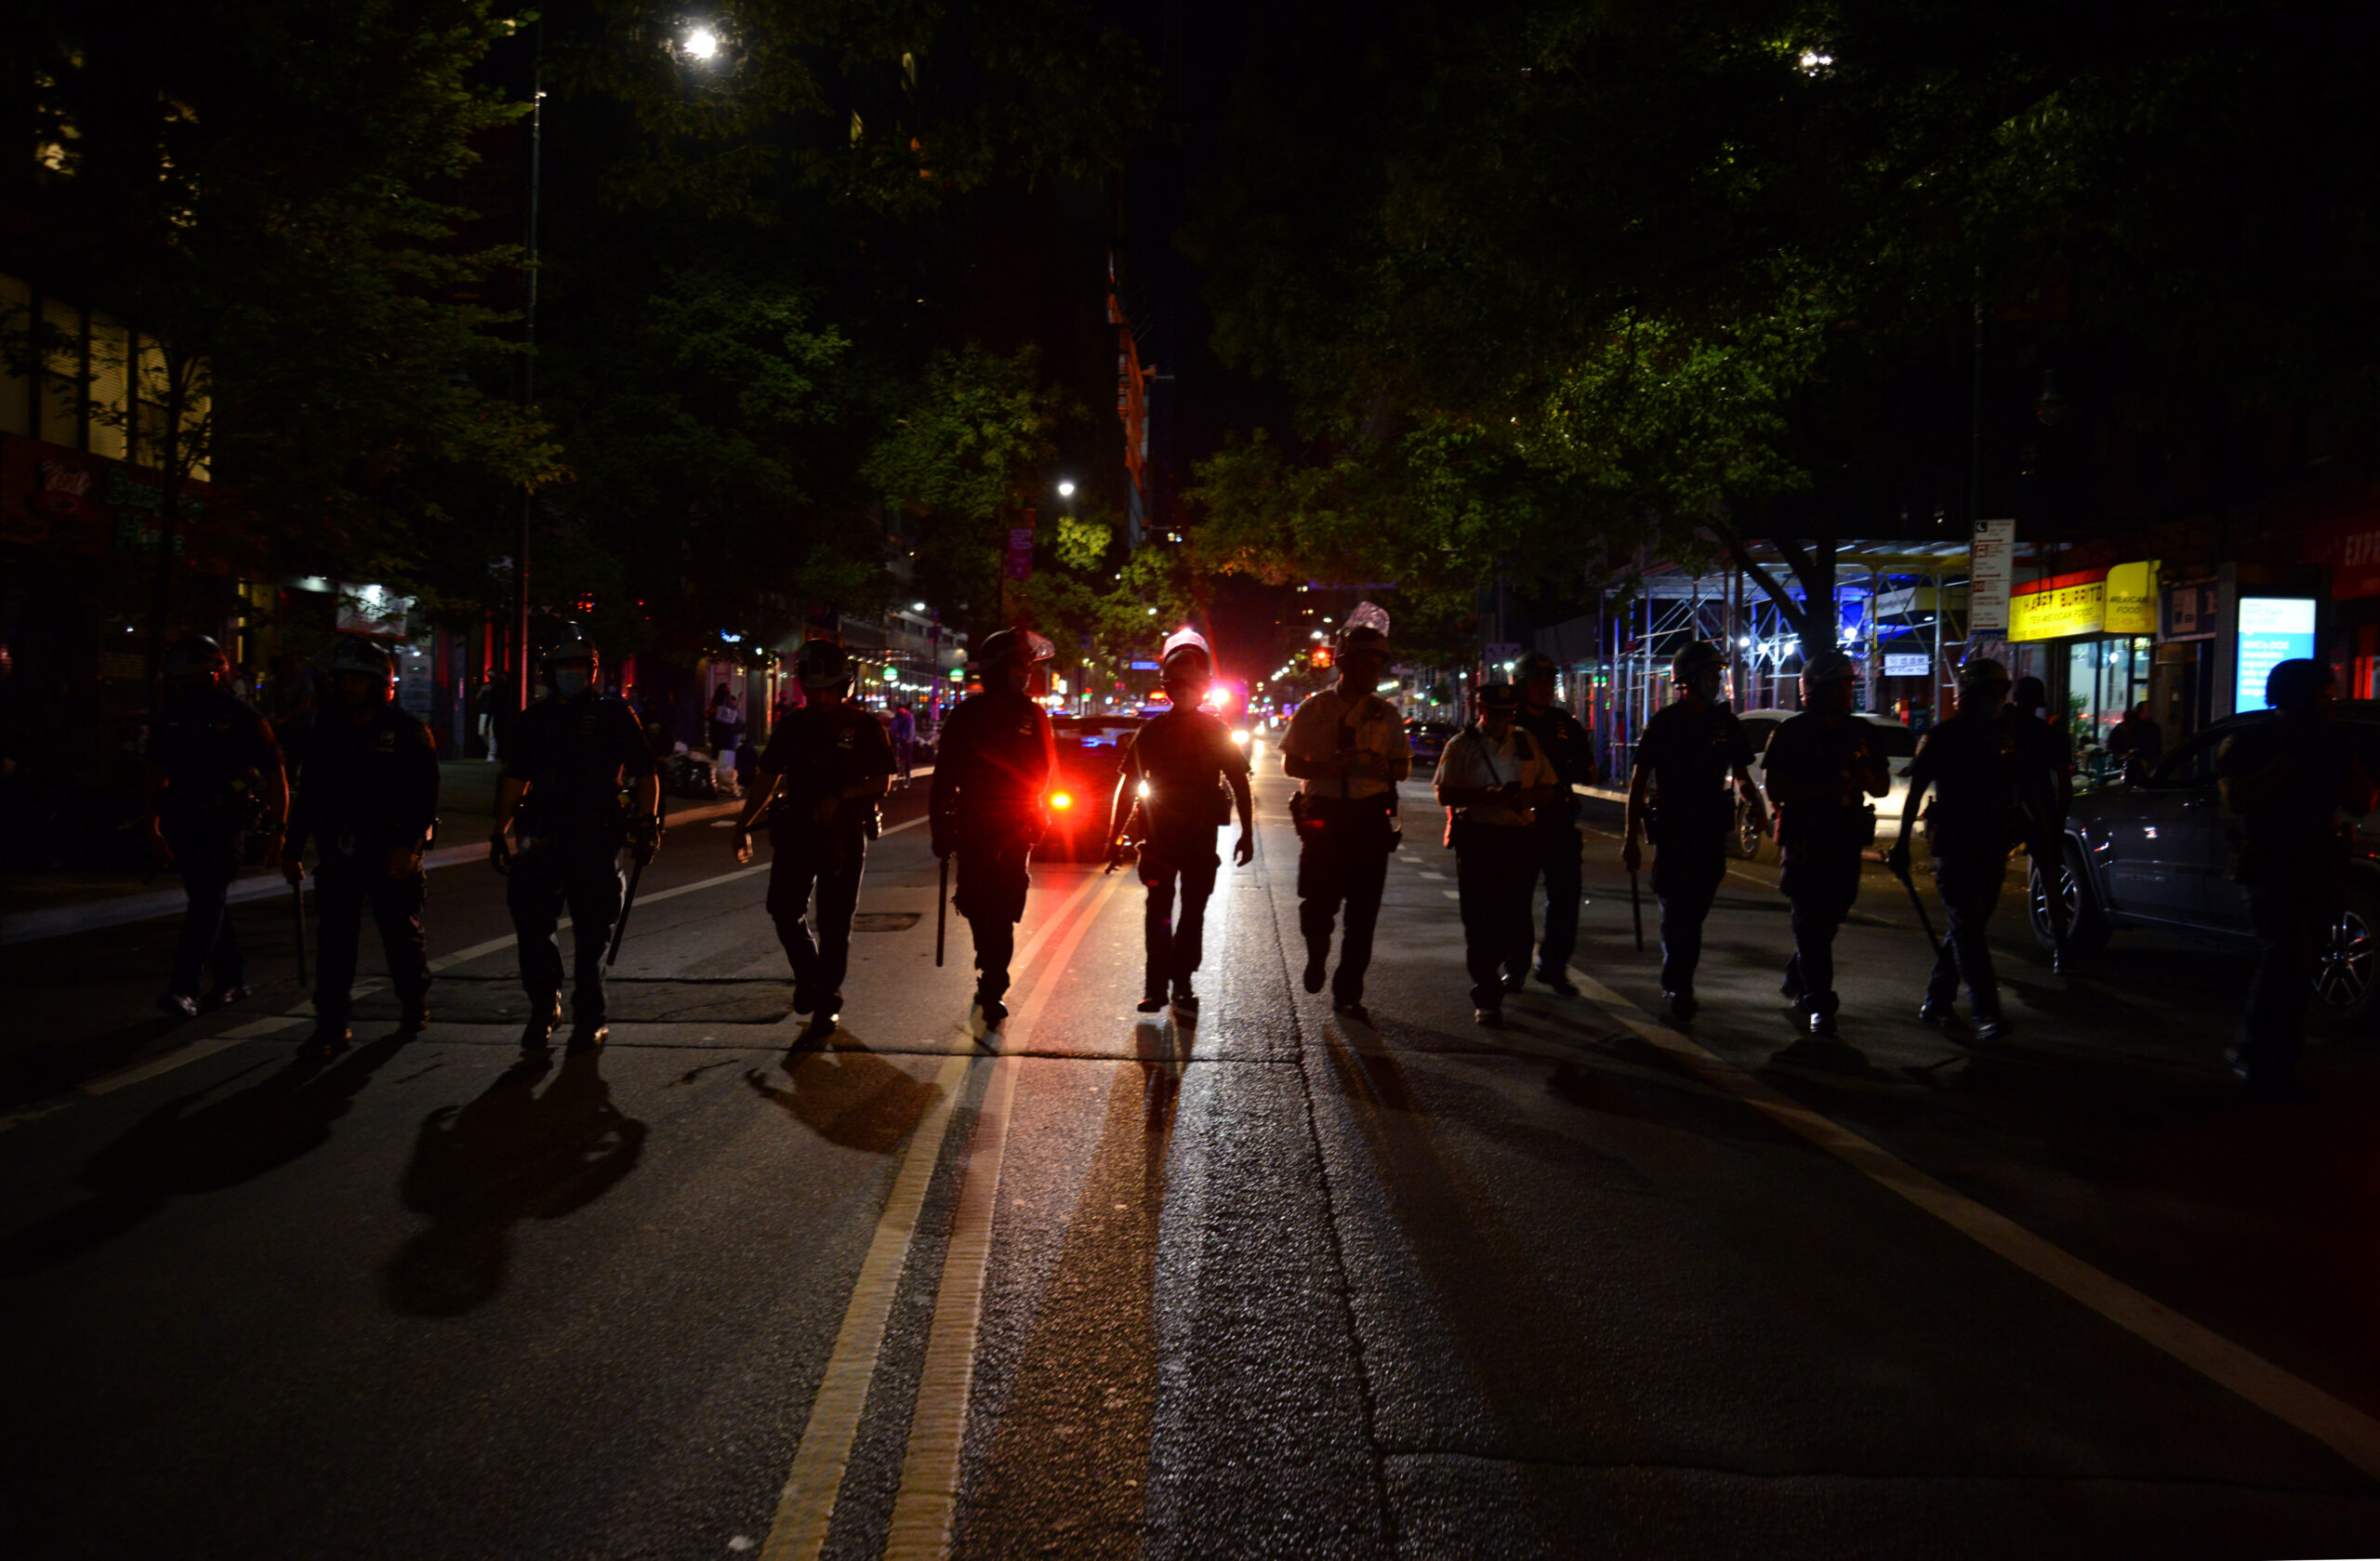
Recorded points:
(628, 904)
(941, 913)
(1636, 909)
(1900, 870)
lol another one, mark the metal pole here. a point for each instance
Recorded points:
(1975, 447)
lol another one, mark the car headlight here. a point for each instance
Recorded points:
(1142, 789)
(1240, 734)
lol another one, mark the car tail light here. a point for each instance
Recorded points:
(1061, 800)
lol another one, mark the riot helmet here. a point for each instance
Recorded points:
(196, 658)
(823, 666)
(358, 658)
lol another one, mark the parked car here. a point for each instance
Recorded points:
(2157, 853)
(1899, 745)
(1082, 787)
(1427, 739)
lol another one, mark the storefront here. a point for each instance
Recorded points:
(2091, 637)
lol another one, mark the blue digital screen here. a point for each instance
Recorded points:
(2272, 630)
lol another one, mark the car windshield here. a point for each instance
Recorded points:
(1895, 740)
(1094, 732)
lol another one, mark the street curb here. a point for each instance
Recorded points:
(57, 922)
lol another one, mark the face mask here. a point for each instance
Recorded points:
(1707, 687)
(1014, 679)
(569, 681)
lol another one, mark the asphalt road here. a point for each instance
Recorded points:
(1283, 1285)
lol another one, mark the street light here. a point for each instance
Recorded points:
(702, 44)
(1066, 487)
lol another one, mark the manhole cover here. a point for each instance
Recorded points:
(462, 999)
(884, 921)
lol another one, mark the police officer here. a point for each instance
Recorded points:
(572, 755)
(826, 765)
(994, 759)
(1571, 749)
(213, 774)
(1678, 798)
(2288, 781)
(2044, 783)
(368, 799)
(1495, 777)
(1187, 776)
(1346, 747)
(1971, 761)
(1822, 764)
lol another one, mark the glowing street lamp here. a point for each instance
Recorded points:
(1066, 487)
(701, 43)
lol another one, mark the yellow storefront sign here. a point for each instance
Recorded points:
(2054, 614)
(2132, 597)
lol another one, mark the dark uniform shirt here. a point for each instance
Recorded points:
(1692, 753)
(2291, 834)
(369, 786)
(1571, 747)
(2041, 760)
(823, 749)
(575, 754)
(1187, 758)
(1974, 765)
(995, 757)
(213, 747)
(1805, 755)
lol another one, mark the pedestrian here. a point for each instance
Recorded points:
(905, 741)
(721, 727)
(1971, 761)
(1678, 799)
(2044, 789)
(997, 750)
(214, 774)
(1571, 747)
(1821, 767)
(497, 712)
(368, 800)
(1186, 777)
(1494, 777)
(2288, 779)
(580, 783)
(1346, 749)
(2137, 740)
(820, 778)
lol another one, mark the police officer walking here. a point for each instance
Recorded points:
(1495, 777)
(572, 756)
(368, 800)
(1187, 776)
(1678, 799)
(1821, 766)
(2045, 782)
(996, 754)
(1971, 760)
(2288, 781)
(1346, 747)
(1571, 749)
(213, 774)
(826, 765)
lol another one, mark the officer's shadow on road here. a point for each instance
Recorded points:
(513, 1154)
(848, 1097)
(184, 1146)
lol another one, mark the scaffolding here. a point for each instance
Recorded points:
(1890, 600)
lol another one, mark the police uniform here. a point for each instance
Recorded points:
(2288, 779)
(216, 753)
(1346, 827)
(1820, 840)
(2041, 760)
(1496, 856)
(1571, 749)
(573, 756)
(370, 789)
(1970, 763)
(996, 754)
(1188, 762)
(815, 753)
(1692, 754)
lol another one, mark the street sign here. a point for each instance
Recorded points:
(1992, 571)
(1904, 664)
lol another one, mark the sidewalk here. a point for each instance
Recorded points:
(57, 905)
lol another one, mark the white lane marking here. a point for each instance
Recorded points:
(806, 1505)
(928, 1500)
(1452, 893)
(1432, 872)
(2347, 1431)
